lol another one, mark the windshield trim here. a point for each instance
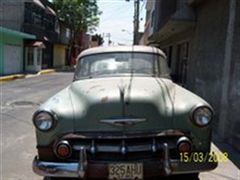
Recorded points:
(153, 53)
(121, 75)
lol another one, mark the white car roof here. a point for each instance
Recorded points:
(144, 49)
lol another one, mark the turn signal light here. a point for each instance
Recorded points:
(184, 144)
(63, 149)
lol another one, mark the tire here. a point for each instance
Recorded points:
(193, 176)
(55, 178)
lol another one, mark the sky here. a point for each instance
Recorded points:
(117, 19)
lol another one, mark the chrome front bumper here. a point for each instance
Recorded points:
(84, 169)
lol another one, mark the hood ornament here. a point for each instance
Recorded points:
(123, 122)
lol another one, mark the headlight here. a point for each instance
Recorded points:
(43, 120)
(202, 116)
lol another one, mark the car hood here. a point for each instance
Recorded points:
(129, 103)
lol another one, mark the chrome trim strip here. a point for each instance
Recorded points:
(154, 145)
(130, 148)
(123, 122)
(111, 135)
(53, 169)
(93, 148)
(166, 162)
(82, 162)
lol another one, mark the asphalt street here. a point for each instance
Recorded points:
(19, 100)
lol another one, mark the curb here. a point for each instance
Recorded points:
(18, 76)
(46, 71)
(12, 77)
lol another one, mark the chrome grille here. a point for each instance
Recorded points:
(123, 148)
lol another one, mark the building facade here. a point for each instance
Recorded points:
(202, 40)
(38, 18)
(12, 50)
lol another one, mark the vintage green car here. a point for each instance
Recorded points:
(122, 117)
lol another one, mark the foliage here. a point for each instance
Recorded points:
(98, 38)
(79, 15)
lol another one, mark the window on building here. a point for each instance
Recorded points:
(182, 62)
(33, 14)
(37, 19)
(148, 14)
(39, 51)
(152, 18)
(68, 33)
(30, 60)
(28, 13)
(49, 22)
(57, 26)
(168, 52)
(169, 56)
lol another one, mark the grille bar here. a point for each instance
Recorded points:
(122, 147)
(151, 146)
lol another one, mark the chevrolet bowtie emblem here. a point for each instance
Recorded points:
(123, 122)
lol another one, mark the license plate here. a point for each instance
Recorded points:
(125, 171)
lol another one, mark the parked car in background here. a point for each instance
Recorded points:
(122, 117)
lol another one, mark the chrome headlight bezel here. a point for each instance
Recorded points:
(201, 110)
(52, 119)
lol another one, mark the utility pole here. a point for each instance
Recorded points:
(108, 35)
(136, 21)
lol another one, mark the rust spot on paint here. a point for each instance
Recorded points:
(104, 99)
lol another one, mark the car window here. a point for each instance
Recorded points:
(112, 64)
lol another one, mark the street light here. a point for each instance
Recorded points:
(124, 30)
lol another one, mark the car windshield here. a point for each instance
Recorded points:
(117, 64)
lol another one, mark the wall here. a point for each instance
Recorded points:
(233, 123)
(8, 40)
(59, 52)
(12, 14)
(207, 55)
(206, 71)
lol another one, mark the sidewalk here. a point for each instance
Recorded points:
(226, 170)
(18, 76)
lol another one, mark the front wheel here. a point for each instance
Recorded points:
(193, 176)
(55, 178)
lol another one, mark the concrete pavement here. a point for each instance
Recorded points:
(20, 98)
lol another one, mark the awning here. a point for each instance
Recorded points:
(16, 33)
(39, 3)
(50, 11)
(38, 44)
(36, 2)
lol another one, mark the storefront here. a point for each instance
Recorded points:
(12, 51)
(33, 56)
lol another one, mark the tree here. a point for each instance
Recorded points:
(79, 15)
(98, 38)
